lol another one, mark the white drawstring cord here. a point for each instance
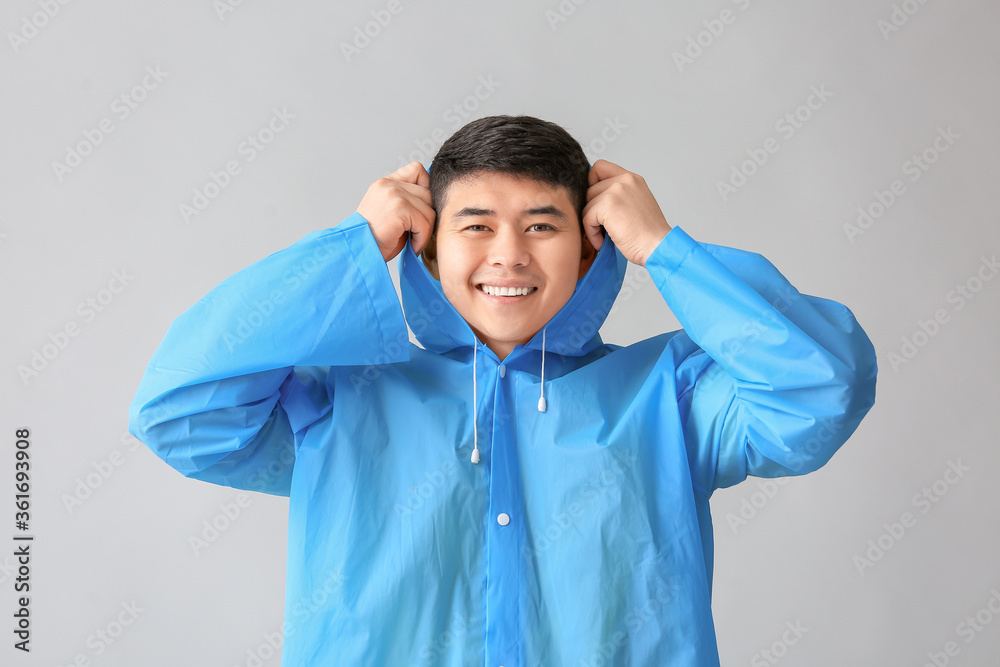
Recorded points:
(541, 397)
(475, 417)
(475, 394)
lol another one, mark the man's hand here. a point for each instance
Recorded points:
(621, 203)
(397, 204)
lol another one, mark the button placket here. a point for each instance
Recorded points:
(505, 576)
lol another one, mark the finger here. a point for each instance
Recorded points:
(395, 251)
(419, 201)
(416, 191)
(598, 188)
(420, 232)
(411, 173)
(603, 169)
(423, 177)
(419, 218)
(592, 225)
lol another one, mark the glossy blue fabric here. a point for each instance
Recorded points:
(296, 377)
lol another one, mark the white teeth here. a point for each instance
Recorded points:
(493, 290)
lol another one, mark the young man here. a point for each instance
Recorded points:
(514, 491)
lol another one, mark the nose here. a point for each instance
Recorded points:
(509, 248)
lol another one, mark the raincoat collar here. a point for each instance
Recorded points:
(571, 332)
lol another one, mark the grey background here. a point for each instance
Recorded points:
(607, 65)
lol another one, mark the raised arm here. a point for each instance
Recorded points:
(241, 372)
(770, 382)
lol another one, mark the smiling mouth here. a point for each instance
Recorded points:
(496, 290)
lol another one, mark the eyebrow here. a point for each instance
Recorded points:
(472, 211)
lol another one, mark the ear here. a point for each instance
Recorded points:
(429, 256)
(587, 255)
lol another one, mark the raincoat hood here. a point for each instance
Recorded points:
(585, 311)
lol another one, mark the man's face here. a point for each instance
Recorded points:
(509, 253)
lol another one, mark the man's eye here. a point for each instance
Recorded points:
(476, 228)
(541, 227)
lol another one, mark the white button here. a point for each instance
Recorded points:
(503, 371)
(503, 519)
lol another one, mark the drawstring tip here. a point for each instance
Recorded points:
(541, 390)
(475, 456)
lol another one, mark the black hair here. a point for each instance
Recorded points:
(519, 146)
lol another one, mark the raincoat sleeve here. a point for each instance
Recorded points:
(772, 382)
(243, 372)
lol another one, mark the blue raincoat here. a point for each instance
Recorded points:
(583, 536)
